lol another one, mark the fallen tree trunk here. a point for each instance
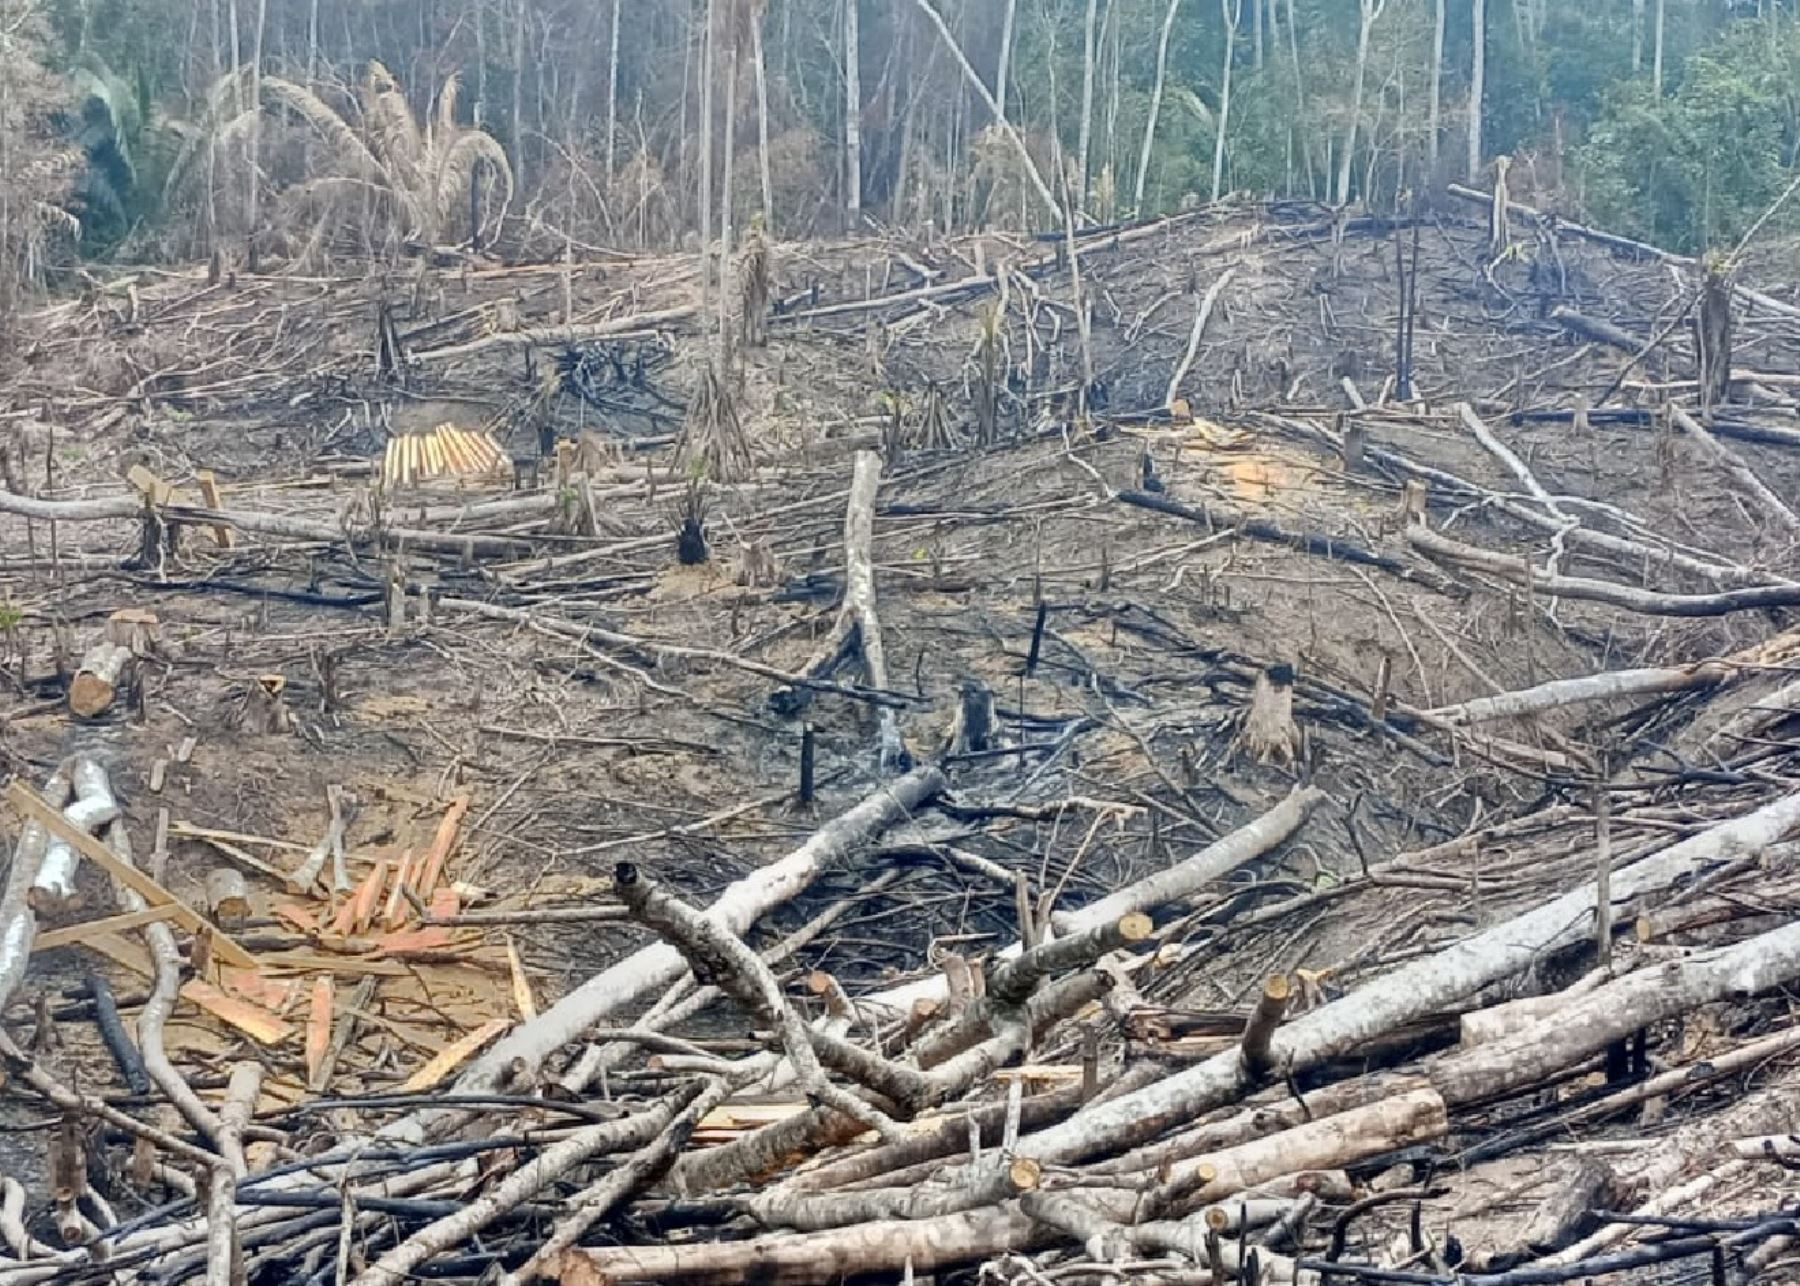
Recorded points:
(1409, 992)
(638, 326)
(281, 525)
(1189, 876)
(820, 1258)
(1308, 542)
(1733, 466)
(1529, 215)
(737, 908)
(18, 918)
(1516, 570)
(1595, 687)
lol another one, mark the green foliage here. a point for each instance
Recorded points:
(1697, 168)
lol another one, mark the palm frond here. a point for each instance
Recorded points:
(456, 166)
(349, 153)
(393, 130)
(446, 109)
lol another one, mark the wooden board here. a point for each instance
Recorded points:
(26, 800)
(253, 1020)
(454, 1057)
(75, 934)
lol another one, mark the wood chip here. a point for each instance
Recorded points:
(521, 985)
(253, 1020)
(319, 1022)
(454, 1057)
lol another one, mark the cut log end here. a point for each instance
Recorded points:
(1135, 927)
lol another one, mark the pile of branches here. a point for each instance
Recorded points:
(904, 1142)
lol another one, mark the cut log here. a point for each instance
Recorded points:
(94, 807)
(95, 685)
(18, 919)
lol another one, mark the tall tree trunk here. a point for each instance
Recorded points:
(253, 193)
(1367, 12)
(708, 61)
(518, 96)
(1435, 111)
(612, 90)
(1232, 11)
(1256, 34)
(725, 198)
(1004, 71)
(852, 114)
(1477, 84)
(1156, 95)
(1656, 56)
(1637, 36)
(1293, 26)
(312, 43)
(762, 121)
(1086, 136)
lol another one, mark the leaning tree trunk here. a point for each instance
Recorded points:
(1004, 70)
(1477, 85)
(1156, 96)
(1232, 11)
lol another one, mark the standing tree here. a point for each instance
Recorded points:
(1156, 97)
(1477, 84)
(852, 115)
(1368, 11)
(1086, 136)
(1232, 11)
(1435, 112)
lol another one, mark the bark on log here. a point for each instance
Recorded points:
(1516, 570)
(94, 807)
(1597, 329)
(1734, 467)
(1193, 874)
(816, 1259)
(1409, 992)
(1517, 467)
(1558, 693)
(165, 958)
(96, 684)
(658, 965)
(224, 1252)
(18, 921)
(241, 1094)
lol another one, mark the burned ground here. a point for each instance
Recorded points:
(1120, 641)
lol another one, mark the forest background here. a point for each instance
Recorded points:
(303, 132)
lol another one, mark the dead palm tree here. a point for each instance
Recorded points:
(376, 156)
